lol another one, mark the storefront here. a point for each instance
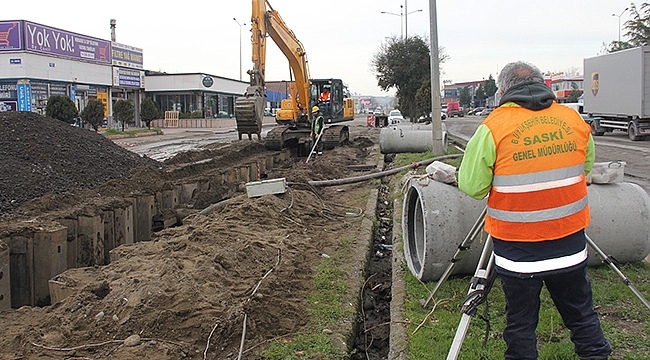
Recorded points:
(194, 94)
(40, 61)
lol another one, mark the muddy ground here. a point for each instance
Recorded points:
(186, 293)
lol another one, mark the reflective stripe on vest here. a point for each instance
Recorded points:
(529, 267)
(539, 215)
(538, 181)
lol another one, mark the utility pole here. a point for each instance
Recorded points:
(436, 121)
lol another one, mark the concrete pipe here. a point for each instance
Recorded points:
(408, 139)
(436, 217)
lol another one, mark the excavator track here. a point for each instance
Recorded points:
(335, 135)
(283, 137)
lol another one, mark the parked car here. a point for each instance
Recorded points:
(485, 112)
(476, 110)
(395, 117)
(427, 118)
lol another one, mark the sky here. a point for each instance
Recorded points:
(341, 37)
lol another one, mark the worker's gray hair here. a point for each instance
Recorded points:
(516, 73)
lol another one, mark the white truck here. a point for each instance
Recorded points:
(617, 92)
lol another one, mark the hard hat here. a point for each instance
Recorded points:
(315, 109)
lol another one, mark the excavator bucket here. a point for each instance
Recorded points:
(249, 112)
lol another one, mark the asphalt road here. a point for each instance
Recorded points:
(609, 147)
(612, 146)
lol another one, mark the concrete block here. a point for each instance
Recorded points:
(244, 174)
(109, 234)
(50, 259)
(254, 172)
(169, 199)
(266, 187)
(186, 192)
(5, 275)
(231, 176)
(90, 241)
(143, 213)
(21, 268)
(123, 226)
(71, 241)
(269, 163)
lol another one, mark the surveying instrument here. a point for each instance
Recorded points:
(484, 276)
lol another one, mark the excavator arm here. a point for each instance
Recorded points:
(293, 50)
(249, 108)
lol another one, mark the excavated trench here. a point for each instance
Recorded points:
(372, 331)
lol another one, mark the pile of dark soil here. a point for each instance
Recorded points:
(41, 155)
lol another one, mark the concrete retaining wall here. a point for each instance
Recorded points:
(33, 255)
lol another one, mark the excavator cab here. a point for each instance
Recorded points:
(329, 96)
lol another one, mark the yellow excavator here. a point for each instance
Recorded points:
(294, 117)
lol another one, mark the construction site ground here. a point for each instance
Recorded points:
(185, 293)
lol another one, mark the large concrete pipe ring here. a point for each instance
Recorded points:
(436, 217)
(405, 139)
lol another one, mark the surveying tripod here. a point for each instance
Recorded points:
(484, 277)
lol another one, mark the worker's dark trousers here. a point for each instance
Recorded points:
(571, 293)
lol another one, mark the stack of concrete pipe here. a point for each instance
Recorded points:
(436, 217)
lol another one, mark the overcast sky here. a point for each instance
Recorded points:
(341, 36)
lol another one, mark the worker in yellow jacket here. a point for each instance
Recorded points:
(530, 157)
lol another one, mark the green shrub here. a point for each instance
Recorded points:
(62, 108)
(93, 113)
(149, 111)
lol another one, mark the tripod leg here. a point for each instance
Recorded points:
(462, 247)
(482, 276)
(606, 259)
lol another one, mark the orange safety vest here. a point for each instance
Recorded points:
(538, 190)
(324, 96)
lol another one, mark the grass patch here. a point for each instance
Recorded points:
(409, 158)
(110, 132)
(623, 317)
(329, 307)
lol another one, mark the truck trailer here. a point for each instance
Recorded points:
(617, 92)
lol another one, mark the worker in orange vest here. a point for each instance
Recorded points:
(324, 95)
(530, 156)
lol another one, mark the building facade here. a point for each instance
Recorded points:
(39, 61)
(194, 94)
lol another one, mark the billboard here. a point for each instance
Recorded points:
(128, 78)
(10, 35)
(53, 41)
(126, 56)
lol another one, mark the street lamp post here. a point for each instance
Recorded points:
(404, 18)
(619, 23)
(401, 15)
(240, 60)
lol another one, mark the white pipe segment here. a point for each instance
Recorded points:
(436, 217)
(408, 139)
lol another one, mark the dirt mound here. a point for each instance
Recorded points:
(173, 291)
(189, 291)
(43, 156)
